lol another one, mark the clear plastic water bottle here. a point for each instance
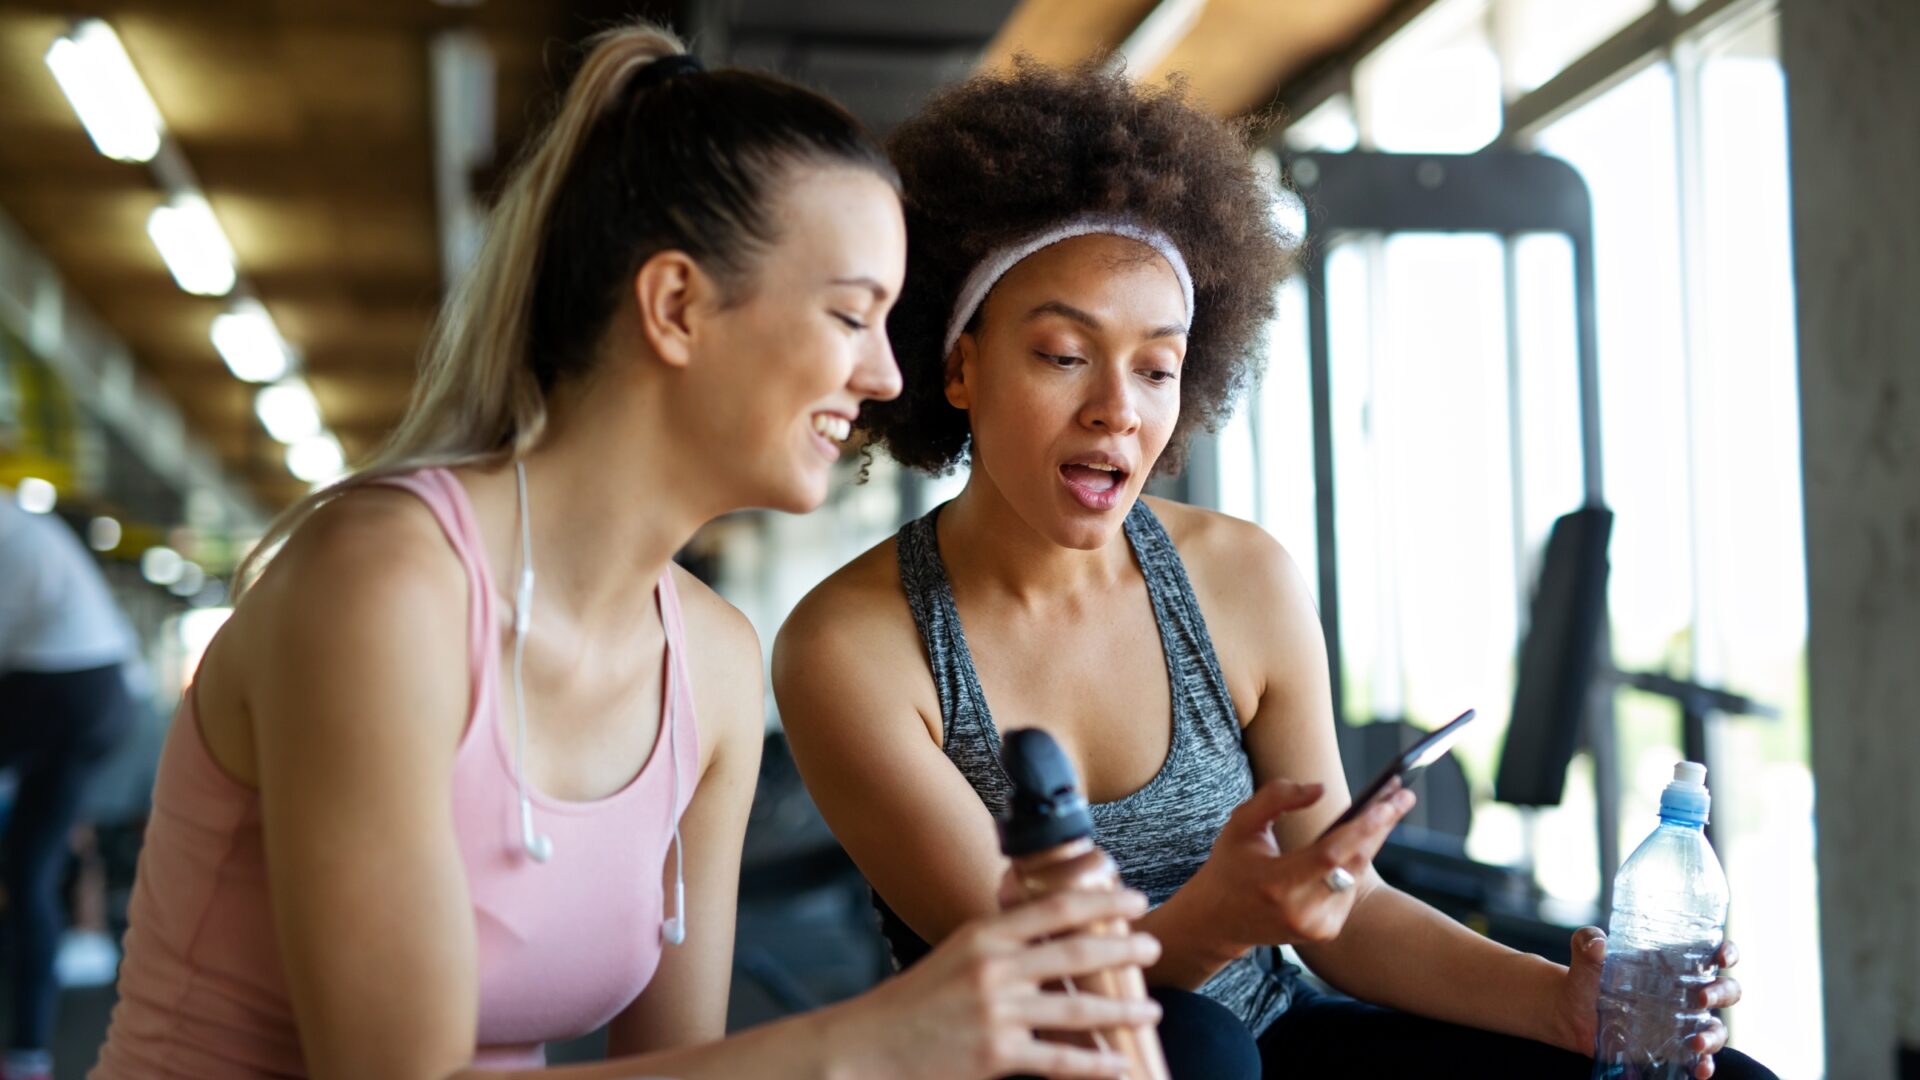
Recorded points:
(1669, 911)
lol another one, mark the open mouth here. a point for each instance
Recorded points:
(1096, 484)
(1097, 478)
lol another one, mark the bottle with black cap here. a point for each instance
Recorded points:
(1047, 827)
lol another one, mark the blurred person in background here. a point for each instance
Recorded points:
(64, 704)
(1091, 273)
(469, 766)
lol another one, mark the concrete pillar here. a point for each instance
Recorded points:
(1853, 93)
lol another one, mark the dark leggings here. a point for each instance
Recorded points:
(1324, 1034)
(1328, 1035)
(54, 727)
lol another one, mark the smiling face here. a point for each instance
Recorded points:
(1071, 382)
(781, 374)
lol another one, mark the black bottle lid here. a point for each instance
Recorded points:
(1048, 809)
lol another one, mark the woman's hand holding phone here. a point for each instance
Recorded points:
(1252, 893)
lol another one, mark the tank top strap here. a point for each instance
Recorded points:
(923, 576)
(447, 500)
(1183, 629)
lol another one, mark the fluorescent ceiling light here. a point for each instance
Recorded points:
(35, 496)
(93, 70)
(250, 344)
(190, 240)
(317, 460)
(288, 411)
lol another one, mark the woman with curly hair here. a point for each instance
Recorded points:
(1091, 267)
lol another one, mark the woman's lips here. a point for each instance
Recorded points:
(1095, 488)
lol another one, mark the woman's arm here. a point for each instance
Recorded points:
(964, 1013)
(861, 715)
(1393, 950)
(356, 684)
(1400, 952)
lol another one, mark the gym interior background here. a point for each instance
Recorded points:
(1656, 256)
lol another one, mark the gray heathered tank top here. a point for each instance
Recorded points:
(1160, 834)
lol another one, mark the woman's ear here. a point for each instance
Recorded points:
(672, 294)
(958, 363)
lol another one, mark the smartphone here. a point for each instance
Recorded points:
(1417, 757)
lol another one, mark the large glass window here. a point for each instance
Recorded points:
(1751, 622)
(1433, 87)
(1455, 418)
(1539, 38)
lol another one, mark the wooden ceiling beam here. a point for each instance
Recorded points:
(1234, 58)
(1240, 52)
(1061, 33)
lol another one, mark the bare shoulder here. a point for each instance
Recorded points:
(851, 643)
(366, 605)
(717, 630)
(1230, 561)
(723, 660)
(861, 604)
(1259, 611)
(371, 560)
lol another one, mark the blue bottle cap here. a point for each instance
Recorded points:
(1686, 798)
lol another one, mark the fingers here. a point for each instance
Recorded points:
(1085, 954)
(1590, 943)
(1085, 1011)
(1354, 844)
(1011, 893)
(1710, 1039)
(1729, 954)
(1090, 871)
(1721, 993)
(1062, 1061)
(1274, 798)
(1063, 913)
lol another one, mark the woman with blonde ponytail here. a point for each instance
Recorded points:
(415, 817)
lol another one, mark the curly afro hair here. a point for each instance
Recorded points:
(1000, 156)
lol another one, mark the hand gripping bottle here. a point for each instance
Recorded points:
(1669, 907)
(1047, 826)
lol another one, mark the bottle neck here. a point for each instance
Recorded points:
(1682, 822)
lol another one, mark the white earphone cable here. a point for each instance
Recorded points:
(540, 848)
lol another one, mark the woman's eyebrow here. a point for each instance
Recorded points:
(1066, 310)
(863, 282)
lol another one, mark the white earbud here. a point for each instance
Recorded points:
(538, 845)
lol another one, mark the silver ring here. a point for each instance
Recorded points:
(1338, 879)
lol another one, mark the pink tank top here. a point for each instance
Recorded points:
(563, 946)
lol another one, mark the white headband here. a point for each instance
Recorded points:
(995, 266)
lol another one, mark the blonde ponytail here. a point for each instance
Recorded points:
(477, 397)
